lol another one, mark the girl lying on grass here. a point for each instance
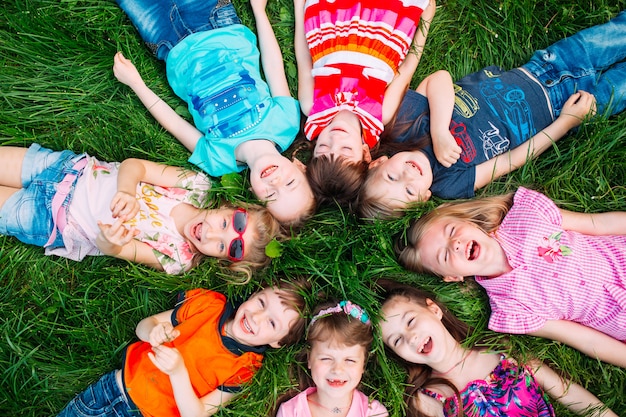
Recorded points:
(141, 211)
(212, 63)
(455, 139)
(446, 378)
(355, 61)
(548, 272)
(339, 339)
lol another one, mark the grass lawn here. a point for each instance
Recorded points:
(63, 324)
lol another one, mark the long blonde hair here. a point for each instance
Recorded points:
(486, 213)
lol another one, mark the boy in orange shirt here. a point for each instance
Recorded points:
(193, 359)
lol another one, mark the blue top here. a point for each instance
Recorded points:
(494, 111)
(217, 73)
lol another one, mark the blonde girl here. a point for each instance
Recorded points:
(548, 272)
(446, 378)
(339, 338)
(75, 205)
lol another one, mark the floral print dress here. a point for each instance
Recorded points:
(509, 390)
(91, 202)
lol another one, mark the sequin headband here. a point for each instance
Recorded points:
(346, 307)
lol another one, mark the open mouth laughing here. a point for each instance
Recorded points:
(196, 231)
(337, 383)
(245, 326)
(414, 166)
(268, 171)
(426, 347)
(472, 250)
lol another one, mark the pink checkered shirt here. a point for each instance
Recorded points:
(557, 274)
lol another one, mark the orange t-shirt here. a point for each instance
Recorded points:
(211, 365)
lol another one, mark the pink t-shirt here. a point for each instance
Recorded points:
(361, 406)
(557, 274)
(91, 203)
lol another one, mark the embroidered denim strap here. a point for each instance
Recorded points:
(59, 212)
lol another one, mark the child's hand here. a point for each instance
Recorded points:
(124, 206)
(125, 71)
(161, 333)
(113, 237)
(446, 149)
(577, 107)
(168, 360)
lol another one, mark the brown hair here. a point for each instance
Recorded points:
(420, 375)
(335, 180)
(371, 206)
(338, 326)
(293, 295)
(486, 213)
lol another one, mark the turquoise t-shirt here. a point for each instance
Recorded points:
(217, 73)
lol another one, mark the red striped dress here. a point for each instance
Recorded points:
(356, 49)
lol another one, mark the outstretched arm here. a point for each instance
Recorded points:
(574, 111)
(439, 89)
(595, 224)
(589, 341)
(271, 56)
(397, 88)
(571, 395)
(182, 130)
(303, 60)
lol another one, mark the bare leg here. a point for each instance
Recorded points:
(11, 159)
(5, 193)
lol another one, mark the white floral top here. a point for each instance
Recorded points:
(91, 203)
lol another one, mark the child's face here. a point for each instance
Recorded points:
(456, 248)
(342, 138)
(282, 185)
(404, 178)
(336, 368)
(414, 332)
(262, 320)
(216, 233)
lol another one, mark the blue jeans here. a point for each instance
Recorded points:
(164, 23)
(103, 398)
(27, 214)
(591, 60)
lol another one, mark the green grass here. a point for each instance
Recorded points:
(63, 323)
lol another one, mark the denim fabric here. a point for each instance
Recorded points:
(164, 23)
(27, 214)
(103, 398)
(588, 60)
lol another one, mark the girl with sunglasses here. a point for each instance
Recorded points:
(75, 205)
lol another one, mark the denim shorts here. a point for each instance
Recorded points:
(27, 214)
(163, 23)
(103, 398)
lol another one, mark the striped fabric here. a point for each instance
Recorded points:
(356, 49)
